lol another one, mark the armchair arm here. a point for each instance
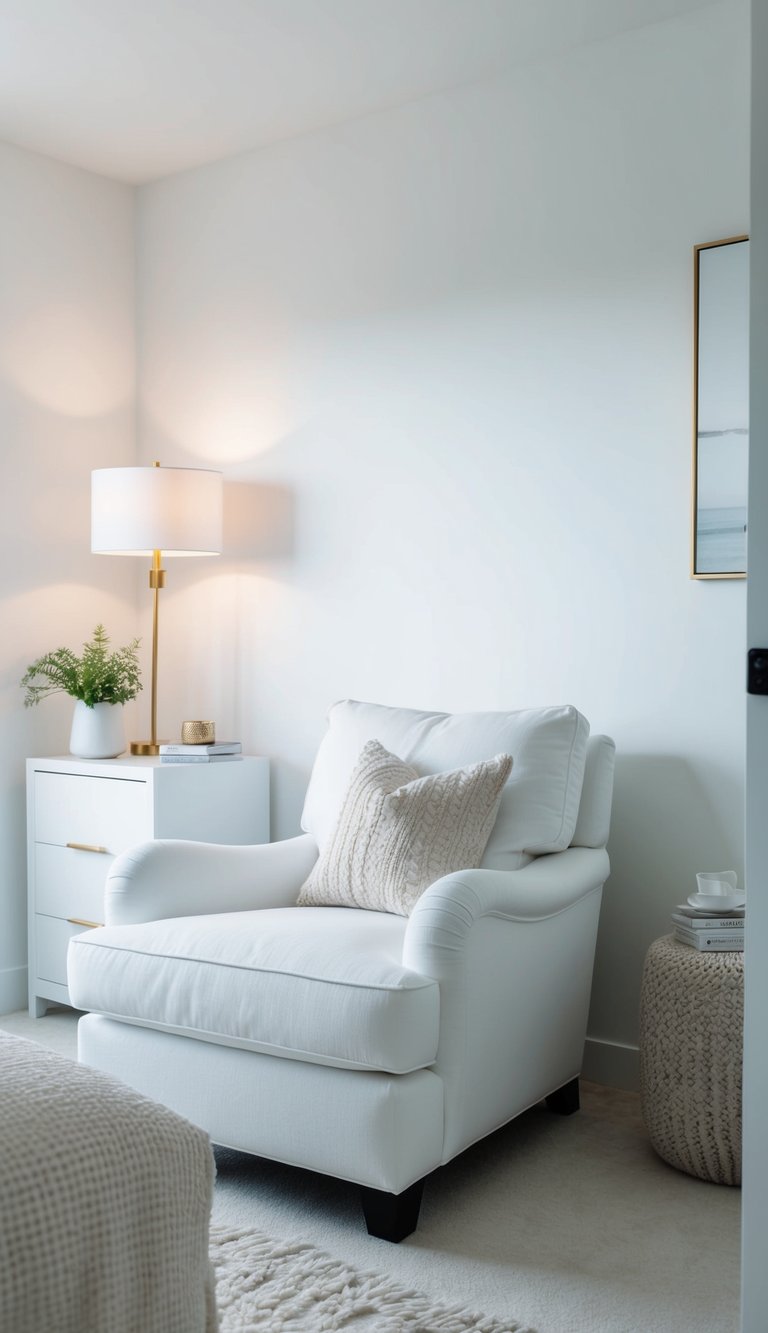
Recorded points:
(168, 878)
(512, 951)
(444, 915)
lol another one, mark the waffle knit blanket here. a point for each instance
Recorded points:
(105, 1202)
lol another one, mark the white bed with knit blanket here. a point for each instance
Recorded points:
(105, 1202)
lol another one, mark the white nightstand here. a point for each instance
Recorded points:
(82, 812)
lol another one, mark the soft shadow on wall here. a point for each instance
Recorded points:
(259, 522)
(260, 539)
(222, 617)
(665, 826)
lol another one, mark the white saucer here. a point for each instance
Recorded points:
(717, 903)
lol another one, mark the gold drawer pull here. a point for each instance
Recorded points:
(89, 925)
(85, 847)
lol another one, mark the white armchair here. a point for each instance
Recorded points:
(365, 1045)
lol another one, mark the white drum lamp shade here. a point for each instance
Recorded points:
(140, 510)
(156, 511)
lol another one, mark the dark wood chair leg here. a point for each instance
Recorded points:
(565, 1100)
(391, 1216)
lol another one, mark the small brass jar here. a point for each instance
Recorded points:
(198, 733)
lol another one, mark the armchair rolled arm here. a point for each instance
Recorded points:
(440, 923)
(512, 951)
(168, 878)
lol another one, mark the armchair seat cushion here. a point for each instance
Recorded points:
(323, 984)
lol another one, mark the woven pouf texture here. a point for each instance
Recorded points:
(691, 1019)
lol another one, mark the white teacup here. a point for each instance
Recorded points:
(716, 881)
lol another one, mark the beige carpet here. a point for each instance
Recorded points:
(568, 1225)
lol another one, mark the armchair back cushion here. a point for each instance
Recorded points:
(540, 801)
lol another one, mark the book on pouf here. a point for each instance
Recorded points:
(710, 941)
(691, 920)
(709, 932)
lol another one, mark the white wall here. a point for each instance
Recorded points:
(67, 390)
(446, 351)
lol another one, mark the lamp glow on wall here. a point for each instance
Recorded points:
(152, 512)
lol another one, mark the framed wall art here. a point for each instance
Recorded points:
(720, 408)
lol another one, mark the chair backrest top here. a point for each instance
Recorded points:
(540, 803)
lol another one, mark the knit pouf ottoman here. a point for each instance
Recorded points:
(691, 1018)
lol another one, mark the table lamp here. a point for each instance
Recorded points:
(155, 511)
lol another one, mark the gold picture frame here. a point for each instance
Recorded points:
(720, 408)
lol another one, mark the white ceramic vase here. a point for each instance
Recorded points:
(98, 732)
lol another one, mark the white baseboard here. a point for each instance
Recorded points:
(611, 1063)
(13, 989)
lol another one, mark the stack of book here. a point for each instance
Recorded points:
(217, 752)
(707, 930)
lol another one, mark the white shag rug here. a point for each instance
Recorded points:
(287, 1286)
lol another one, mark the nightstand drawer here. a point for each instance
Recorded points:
(70, 883)
(52, 938)
(99, 812)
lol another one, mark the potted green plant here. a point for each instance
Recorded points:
(100, 681)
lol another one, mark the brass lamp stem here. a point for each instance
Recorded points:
(156, 582)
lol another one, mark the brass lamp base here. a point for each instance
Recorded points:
(146, 747)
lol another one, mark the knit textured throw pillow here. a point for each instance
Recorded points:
(397, 833)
